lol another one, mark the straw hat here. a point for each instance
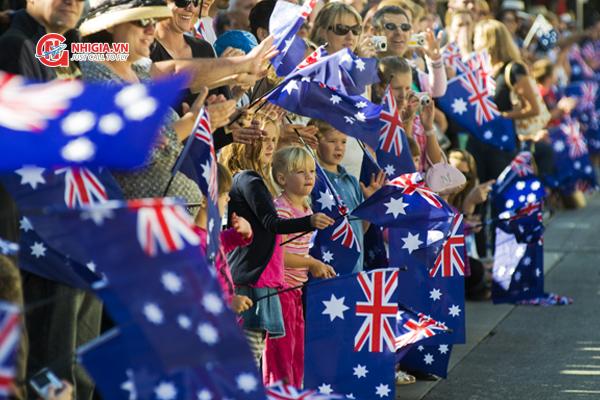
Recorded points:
(105, 14)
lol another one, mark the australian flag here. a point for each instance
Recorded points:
(452, 58)
(198, 161)
(432, 359)
(413, 327)
(441, 296)
(580, 70)
(10, 332)
(33, 189)
(69, 123)
(587, 112)
(517, 185)
(393, 153)
(282, 391)
(547, 36)
(468, 101)
(149, 255)
(352, 115)
(336, 245)
(351, 334)
(285, 22)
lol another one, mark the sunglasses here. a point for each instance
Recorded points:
(185, 3)
(342, 30)
(144, 22)
(390, 26)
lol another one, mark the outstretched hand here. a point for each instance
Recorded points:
(375, 184)
(241, 226)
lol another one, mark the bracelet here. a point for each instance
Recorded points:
(430, 133)
(409, 118)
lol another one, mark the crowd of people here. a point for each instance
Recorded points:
(266, 168)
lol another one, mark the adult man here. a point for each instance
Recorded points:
(393, 23)
(470, 5)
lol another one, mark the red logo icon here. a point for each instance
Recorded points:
(51, 51)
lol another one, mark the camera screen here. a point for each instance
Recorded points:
(41, 380)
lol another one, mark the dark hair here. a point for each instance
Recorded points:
(413, 146)
(224, 178)
(394, 10)
(260, 15)
(221, 22)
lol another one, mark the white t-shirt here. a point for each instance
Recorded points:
(204, 26)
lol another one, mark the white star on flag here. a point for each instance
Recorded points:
(165, 391)
(25, 224)
(327, 257)
(335, 307)
(517, 276)
(325, 389)
(420, 348)
(454, 310)
(559, 146)
(535, 185)
(428, 359)
(290, 86)
(487, 135)
(288, 43)
(360, 64)
(184, 322)
(459, 106)
(390, 170)
(411, 242)
(361, 104)
(360, 116)
(38, 250)
(360, 371)
(443, 348)
(326, 201)
(212, 303)
(208, 333)
(91, 266)
(153, 313)
(396, 207)
(527, 261)
(30, 174)
(247, 382)
(335, 99)
(435, 294)
(349, 120)
(382, 390)
(171, 282)
(129, 385)
(520, 185)
(538, 272)
(205, 394)
(78, 122)
(110, 124)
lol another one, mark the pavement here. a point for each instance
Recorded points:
(532, 352)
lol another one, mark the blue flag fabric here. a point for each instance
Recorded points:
(336, 245)
(342, 71)
(571, 157)
(350, 334)
(468, 102)
(8, 248)
(393, 154)
(10, 333)
(439, 296)
(69, 123)
(427, 358)
(518, 269)
(352, 115)
(285, 22)
(547, 36)
(517, 185)
(580, 70)
(148, 252)
(199, 163)
(413, 327)
(525, 222)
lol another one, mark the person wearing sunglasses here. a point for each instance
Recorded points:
(341, 26)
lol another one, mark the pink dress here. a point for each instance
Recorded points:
(284, 357)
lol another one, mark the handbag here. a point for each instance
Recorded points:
(531, 125)
(443, 178)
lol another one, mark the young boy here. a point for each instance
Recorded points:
(331, 148)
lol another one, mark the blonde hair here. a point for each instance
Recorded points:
(289, 159)
(322, 126)
(328, 15)
(451, 13)
(499, 41)
(240, 157)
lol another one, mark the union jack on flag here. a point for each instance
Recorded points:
(589, 95)
(346, 234)
(163, 224)
(575, 140)
(482, 62)
(10, 329)
(414, 330)
(281, 391)
(390, 137)
(452, 58)
(379, 311)
(203, 132)
(521, 164)
(480, 96)
(413, 183)
(82, 187)
(452, 256)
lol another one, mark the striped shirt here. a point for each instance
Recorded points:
(300, 246)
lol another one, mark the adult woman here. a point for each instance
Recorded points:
(135, 25)
(494, 36)
(459, 25)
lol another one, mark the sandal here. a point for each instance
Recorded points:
(402, 378)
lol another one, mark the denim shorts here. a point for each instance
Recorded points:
(265, 314)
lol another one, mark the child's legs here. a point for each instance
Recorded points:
(256, 340)
(284, 357)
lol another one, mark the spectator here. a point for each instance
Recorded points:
(239, 13)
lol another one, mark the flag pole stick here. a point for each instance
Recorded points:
(532, 31)
(312, 230)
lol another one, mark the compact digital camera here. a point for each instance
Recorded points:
(424, 98)
(417, 40)
(380, 43)
(41, 382)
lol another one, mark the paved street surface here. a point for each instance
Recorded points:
(532, 352)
